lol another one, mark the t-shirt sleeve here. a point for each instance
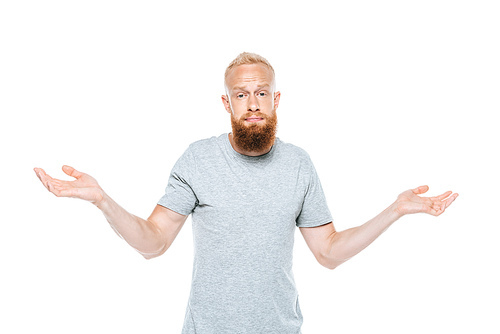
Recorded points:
(179, 194)
(315, 211)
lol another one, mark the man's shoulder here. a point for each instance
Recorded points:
(205, 149)
(293, 151)
(202, 145)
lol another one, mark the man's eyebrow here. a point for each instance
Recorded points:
(239, 88)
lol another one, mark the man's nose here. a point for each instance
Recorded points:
(253, 104)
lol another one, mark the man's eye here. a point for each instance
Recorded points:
(240, 96)
(262, 94)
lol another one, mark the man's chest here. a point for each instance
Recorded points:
(261, 201)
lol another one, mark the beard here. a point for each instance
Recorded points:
(254, 137)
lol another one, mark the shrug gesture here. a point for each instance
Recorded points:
(154, 236)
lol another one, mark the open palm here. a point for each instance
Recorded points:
(409, 202)
(84, 186)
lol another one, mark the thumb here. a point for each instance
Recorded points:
(420, 190)
(71, 171)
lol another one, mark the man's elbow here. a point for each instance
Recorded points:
(324, 254)
(149, 256)
(330, 266)
(329, 262)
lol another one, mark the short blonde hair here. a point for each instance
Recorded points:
(248, 58)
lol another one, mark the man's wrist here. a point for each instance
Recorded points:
(394, 211)
(103, 202)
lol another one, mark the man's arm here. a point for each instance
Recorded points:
(332, 248)
(151, 237)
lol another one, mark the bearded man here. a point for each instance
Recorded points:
(246, 192)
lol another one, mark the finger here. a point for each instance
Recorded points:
(71, 171)
(438, 209)
(443, 196)
(438, 212)
(54, 188)
(38, 172)
(450, 200)
(420, 190)
(432, 210)
(59, 184)
(444, 205)
(44, 177)
(437, 205)
(61, 191)
(59, 188)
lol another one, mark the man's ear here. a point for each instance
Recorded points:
(226, 102)
(277, 96)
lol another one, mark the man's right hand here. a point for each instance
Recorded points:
(84, 186)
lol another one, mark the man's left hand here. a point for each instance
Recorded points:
(409, 202)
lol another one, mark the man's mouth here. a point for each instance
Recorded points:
(254, 119)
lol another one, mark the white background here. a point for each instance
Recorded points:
(384, 95)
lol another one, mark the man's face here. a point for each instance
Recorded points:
(252, 103)
(250, 94)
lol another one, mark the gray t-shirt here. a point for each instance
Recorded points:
(244, 212)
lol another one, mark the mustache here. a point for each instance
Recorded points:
(254, 113)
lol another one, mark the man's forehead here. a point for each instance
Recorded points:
(245, 74)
